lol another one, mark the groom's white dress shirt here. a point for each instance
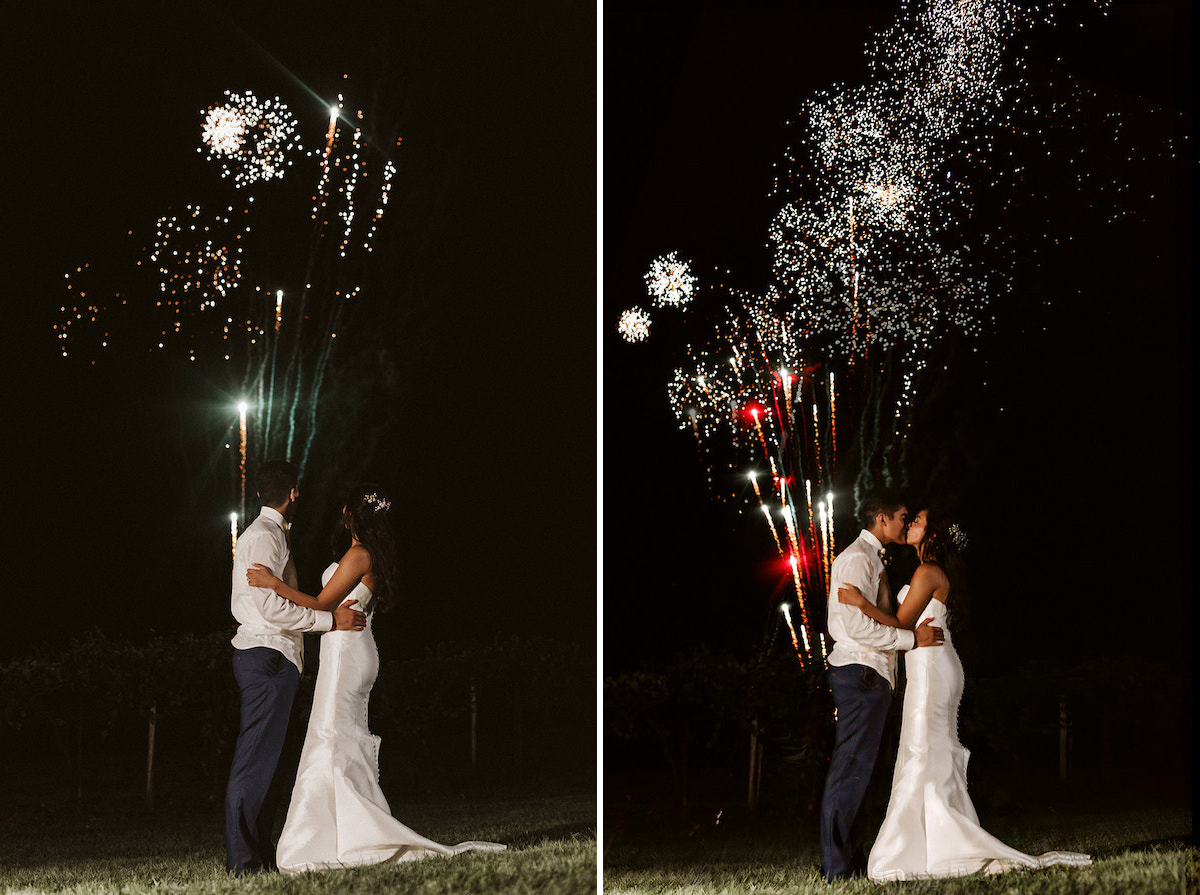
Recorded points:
(859, 639)
(264, 617)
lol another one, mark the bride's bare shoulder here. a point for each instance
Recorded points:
(932, 578)
(929, 573)
(356, 559)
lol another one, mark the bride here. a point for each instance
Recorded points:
(338, 815)
(931, 828)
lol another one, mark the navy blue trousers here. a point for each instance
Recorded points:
(862, 697)
(268, 681)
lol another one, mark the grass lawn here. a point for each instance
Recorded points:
(551, 848)
(1141, 850)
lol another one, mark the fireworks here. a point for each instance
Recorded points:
(198, 255)
(877, 260)
(224, 130)
(670, 282)
(251, 139)
(787, 615)
(242, 408)
(634, 325)
(204, 266)
(389, 171)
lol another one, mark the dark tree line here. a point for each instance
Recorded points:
(757, 733)
(518, 705)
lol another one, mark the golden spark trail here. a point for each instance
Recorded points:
(790, 523)
(762, 438)
(829, 498)
(233, 519)
(766, 512)
(801, 593)
(771, 522)
(817, 443)
(333, 119)
(824, 548)
(787, 614)
(812, 528)
(827, 536)
(832, 427)
(242, 464)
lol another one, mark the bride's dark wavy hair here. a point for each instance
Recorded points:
(368, 516)
(939, 546)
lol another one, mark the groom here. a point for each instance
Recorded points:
(861, 676)
(267, 657)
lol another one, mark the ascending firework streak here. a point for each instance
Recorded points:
(816, 441)
(291, 384)
(242, 408)
(233, 533)
(787, 614)
(793, 536)
(762, 439)
(334, 111)
(766, 511)
(832, 425)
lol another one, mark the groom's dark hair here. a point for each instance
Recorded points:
(876, 502)
(276, 478)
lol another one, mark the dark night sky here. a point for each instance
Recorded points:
(482, 296)
(1076, 492)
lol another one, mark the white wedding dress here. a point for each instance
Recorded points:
(931, 828)
(338, 816)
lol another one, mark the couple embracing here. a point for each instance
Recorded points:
(931, 828)
(338, 816)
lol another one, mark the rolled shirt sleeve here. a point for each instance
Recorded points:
(265, 618)
(864, 630)
(857, 637)
(286, 615)
(272, 608)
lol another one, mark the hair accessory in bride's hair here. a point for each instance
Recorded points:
(378, 504)
(957, 535)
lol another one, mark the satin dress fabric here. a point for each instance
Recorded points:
(338, 816)
(931, 829)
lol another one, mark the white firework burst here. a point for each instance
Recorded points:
(224, 130)
(634, 325)
(670, 281)
(251, 138)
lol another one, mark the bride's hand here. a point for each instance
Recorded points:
(851, 595)
(260, 576)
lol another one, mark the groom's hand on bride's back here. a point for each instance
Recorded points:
(928, 635)
(347, 618)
